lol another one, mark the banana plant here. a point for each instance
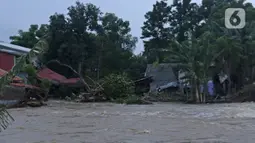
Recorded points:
(194, 57)
(38, 49)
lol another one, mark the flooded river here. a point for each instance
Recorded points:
(63, 122)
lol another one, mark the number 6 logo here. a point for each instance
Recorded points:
(234, 18)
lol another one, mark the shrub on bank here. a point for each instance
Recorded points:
(117, 86)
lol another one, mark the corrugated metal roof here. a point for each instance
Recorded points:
(12, 52)
(13, 49)
(170, 84)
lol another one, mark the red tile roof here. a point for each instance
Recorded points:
(3, 72)
(16, 78)
(46, 73)
(70, 81)
(24, 85)
(50, 75)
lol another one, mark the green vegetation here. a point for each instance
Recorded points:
(194, 37)
(117, 86)
(92, 42)
(5, 117)
(100, 45)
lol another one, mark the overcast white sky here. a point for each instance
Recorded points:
(19, 14)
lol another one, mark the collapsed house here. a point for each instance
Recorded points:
(59, 75)
(163, 77)
(17, 91)
(9, 54)
(57, 80)
(143, 85)
(14, 92)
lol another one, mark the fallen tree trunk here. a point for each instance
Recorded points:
(87, 87)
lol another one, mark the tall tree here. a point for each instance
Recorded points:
(166, 22)
(57, 36)
(29, 38)
(185, 18)
(155, 31)
(90, 41)
(232, 47)
(118, 44)
(83, 19)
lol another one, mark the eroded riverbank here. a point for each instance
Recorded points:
(64, 122)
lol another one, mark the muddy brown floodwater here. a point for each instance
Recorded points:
(64, 122)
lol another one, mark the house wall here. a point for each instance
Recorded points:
(6, 61)
(162, 74)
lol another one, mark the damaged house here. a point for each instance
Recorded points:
(163, 77)
(9, 54)
(16, 90)
(62, 77)
(19, 89)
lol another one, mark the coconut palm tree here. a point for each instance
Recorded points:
(5, 118)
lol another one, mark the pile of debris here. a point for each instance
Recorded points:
(62, 75)
(17, 93)
(20, 94)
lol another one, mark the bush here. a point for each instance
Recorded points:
(45, 84)
(31, 72)
(117, 86)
